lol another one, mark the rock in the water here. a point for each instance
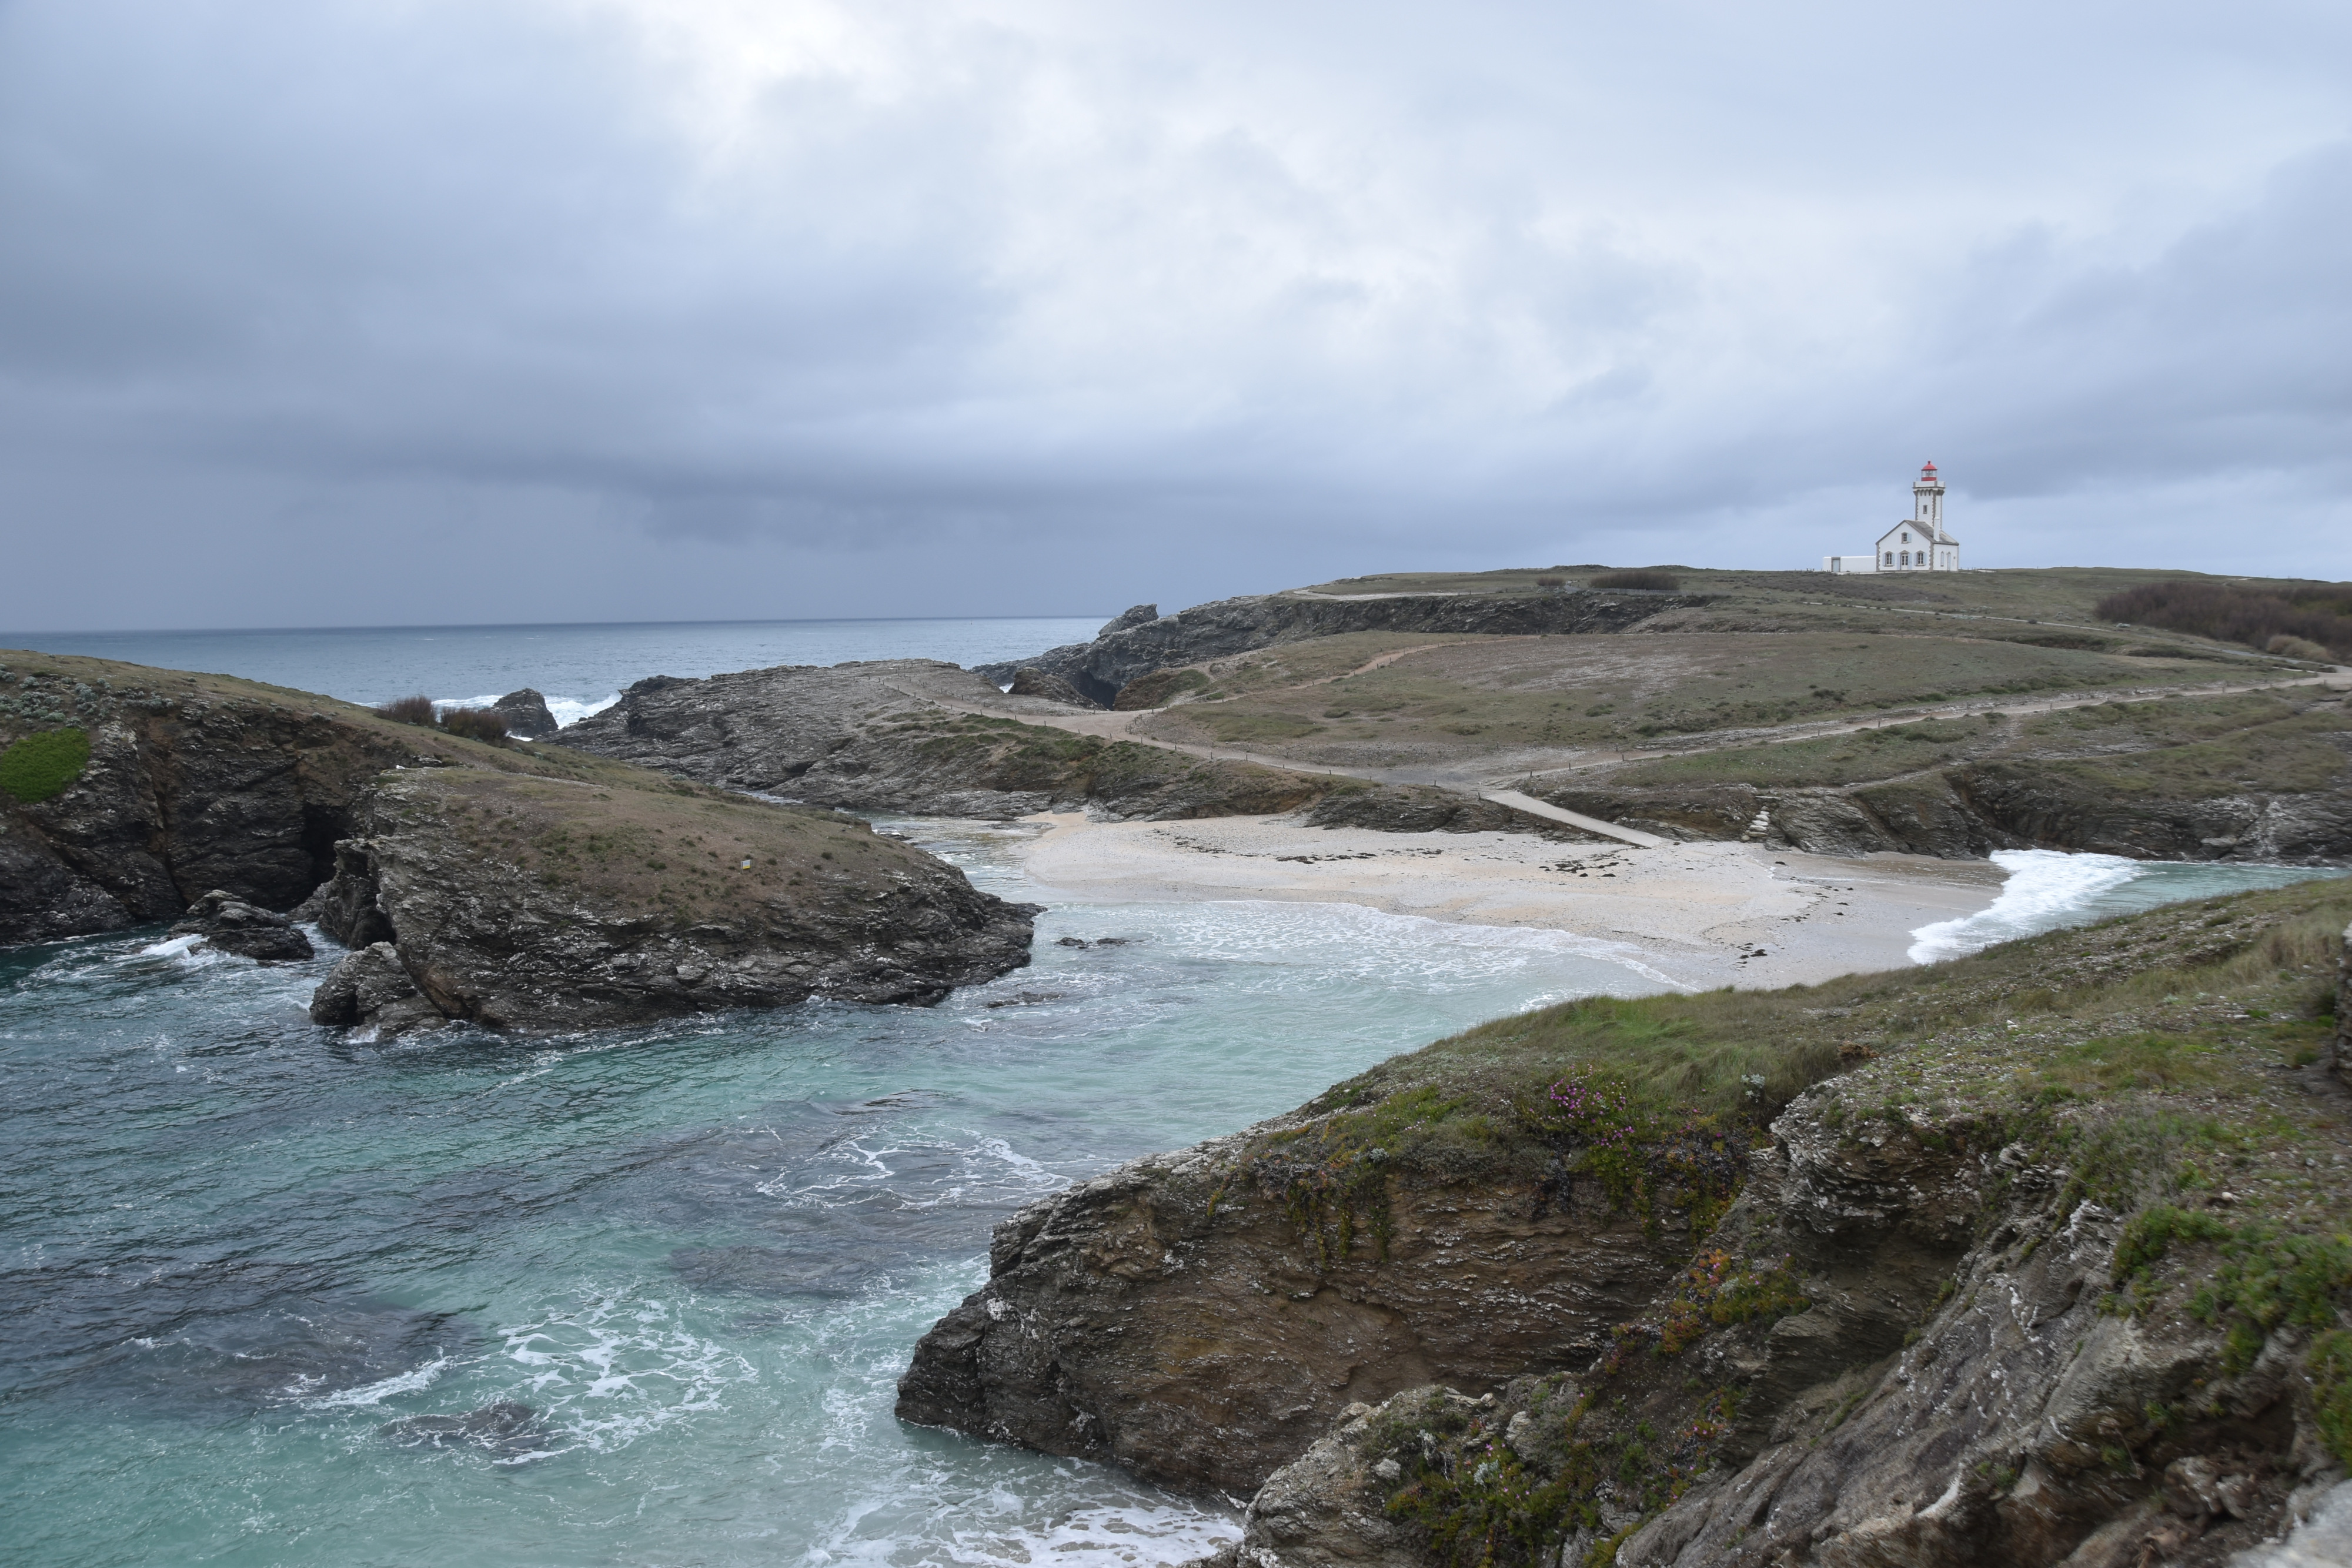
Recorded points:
(373, 987)
(507, 1426)
(1029, 683)
(539, 905)
(230, 925)
(526, 714)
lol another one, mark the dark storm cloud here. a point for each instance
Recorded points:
(428, 311)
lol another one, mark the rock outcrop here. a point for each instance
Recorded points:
(526, 714)
(1975, 1296)
(540, 905)
(1169, 1316)
(1966, 812)
(193, 783)
(1140, 642)
(373, 987)
(905, 734)
(229, 925)
(1029, 683)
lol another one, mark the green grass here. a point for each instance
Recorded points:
(1480, 695)
(1839, 759)
(44, 766)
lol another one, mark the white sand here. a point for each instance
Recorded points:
(1706, 914)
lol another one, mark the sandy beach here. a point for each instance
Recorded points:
(1700, 915)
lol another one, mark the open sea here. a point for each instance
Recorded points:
(242, 1257)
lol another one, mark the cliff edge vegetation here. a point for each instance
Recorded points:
(2041, 1255)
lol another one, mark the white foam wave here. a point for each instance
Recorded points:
(2044, 889)
(177, 946)
(567, 710)
(408, 1381)
(622, 1367)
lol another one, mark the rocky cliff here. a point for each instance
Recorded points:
(524, 888)
(192, 783)
(2033, 1258)
(1132, 646)
(2260, 776)
(540, 905)
(896, 736)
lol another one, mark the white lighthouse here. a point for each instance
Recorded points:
(1918, 543)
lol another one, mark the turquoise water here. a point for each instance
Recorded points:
(2047, 889)
(238, 1247)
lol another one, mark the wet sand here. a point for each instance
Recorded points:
(1705, 915)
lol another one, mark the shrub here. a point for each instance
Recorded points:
(1640, 577)
(43, 766)
(476, 723)
(2318, 612)
(406, 710)
(1551, 582)
(2298, 648)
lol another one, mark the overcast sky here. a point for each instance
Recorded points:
(318, 313)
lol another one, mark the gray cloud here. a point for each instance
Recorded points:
(372, 312)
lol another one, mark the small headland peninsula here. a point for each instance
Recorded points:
(514, 887)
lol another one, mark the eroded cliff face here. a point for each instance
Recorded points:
(542, 904)
(2051, 1270)
(1966, 813)
(2178, 780)
(1174, 1317)
(193, 783)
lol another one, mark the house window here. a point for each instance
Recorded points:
(1890, 557)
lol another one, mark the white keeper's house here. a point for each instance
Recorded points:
(1918, 543)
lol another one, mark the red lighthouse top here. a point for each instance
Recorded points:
(1928, 471)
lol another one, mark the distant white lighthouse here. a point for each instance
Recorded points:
(1918, 543)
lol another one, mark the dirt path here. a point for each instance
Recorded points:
(1492, 777)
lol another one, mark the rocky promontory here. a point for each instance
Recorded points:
(2033, 1258)
(910, 734)
(537, 904)
(187, 784)
(526, 888)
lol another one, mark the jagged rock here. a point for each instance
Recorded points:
(1166, 1316)
(537, 904)
(230, 925)
(1029, 683)
(1967, 812)
(370, 987)
(1898, 1344)
(1325, 1508)
(194, 782)
(2343, 1045)
(1133, 616)
(1120, 653)
(526, 714)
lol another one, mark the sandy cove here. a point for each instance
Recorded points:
(1705, 915)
